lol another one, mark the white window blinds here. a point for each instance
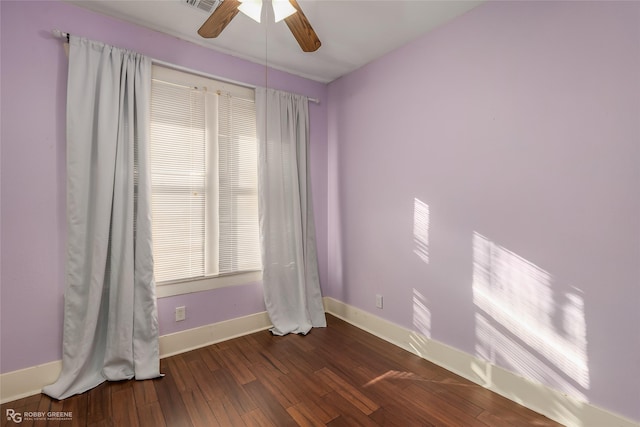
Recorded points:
(204, 178)
(238, 163)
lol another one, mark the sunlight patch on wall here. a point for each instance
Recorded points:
(419, 344)
(421, 229)
(421, 314)
(523, 323)
(419, 339)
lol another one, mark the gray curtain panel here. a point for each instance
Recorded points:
(110, 313)
(287, 232)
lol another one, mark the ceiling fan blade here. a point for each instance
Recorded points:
(302, 30)
(219, 19)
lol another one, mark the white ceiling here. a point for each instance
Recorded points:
(353, 32)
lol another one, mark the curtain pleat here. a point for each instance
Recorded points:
(290, 264)
(110, 313)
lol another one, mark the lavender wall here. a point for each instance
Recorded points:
(484, 180)
(33, 225)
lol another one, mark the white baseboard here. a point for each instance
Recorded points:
(537, 397)
(30, 381)
(191, 339)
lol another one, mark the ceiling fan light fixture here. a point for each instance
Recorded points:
(282, 9)
(251, 8)
(297, 22)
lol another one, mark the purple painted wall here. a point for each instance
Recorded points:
(33, 221)
(511, 135)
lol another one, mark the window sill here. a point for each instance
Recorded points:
(206, 284)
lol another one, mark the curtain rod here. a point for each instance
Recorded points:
(63, 35)
(60, 34)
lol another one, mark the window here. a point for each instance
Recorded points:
(204, 183)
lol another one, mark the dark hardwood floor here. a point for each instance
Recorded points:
(334, 376)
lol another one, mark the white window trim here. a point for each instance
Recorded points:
(207, 283)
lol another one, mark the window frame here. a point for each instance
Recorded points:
(215, 87)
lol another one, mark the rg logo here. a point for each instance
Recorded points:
(14, 416)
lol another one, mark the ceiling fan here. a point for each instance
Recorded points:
(289, 10)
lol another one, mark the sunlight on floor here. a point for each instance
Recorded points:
(523, 323)
(410, 376)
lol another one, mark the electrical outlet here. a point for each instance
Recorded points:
(181, 313)
(379, 301)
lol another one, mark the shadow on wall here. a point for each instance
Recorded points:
(335, 253)
(525, 325)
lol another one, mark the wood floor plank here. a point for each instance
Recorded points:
(150, 415)
(304, 380)
(55, 406)
(257, 418)
(144, 392)
(234, 392)
(247, 346)
(268, 404)
(124, 408)
(305, 343)
(348, 391)
(309, 362)
(120, 385)
(199, 411)
(238, 365)
(44, 405)
(393, 416)
(270, 359)
(274, 383)
(205, 381)
(279, 347)
(349, 415)
(303, 417)
(440, 409)
(337, 359)
(210, 358)
(77, 406)
(181, 374)
(444, 392)
(225, 412)
(173, 410)
(310, 412)
(99, 404)
(492, 403)
(394, 406)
